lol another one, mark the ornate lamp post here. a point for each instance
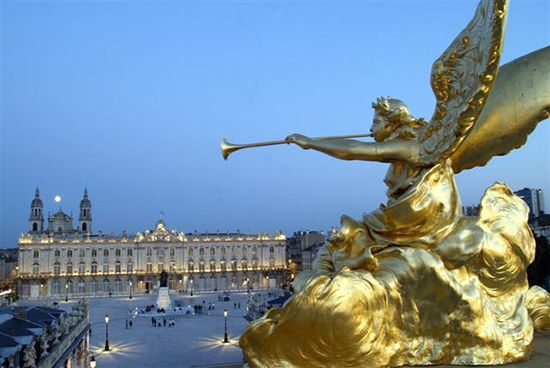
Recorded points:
(93, 362)
(225, 340)
(106, 333)
(130, 284)
(191, 281)
(66, 292)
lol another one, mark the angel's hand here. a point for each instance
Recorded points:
(300, 140)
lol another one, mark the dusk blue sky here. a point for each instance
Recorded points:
(131, 99)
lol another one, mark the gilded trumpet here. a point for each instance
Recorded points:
(229, 148)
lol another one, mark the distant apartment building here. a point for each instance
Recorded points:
(534, 199)
(303, 247)
(61, 261)
(470, 210)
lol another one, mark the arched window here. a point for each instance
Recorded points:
(149, 267)
(56, 268)
(105, 267)
(223, 265)
(118, 285)
(172, 266)
(35, 268)
(106, 285)
(117, 267)
(201, 266)
(56, 287)
(94, 267)
(129, 267)
(233, 265)
(81, 287)
(244, 264)
(69, 268)
(35, 254)
(34, 226)
(254, 264)
(117, 252)
(160, 267)
(69, 287)
(201, 251)
(271, 263)
(94, 252)
(93, 286)
(212, 266)
(81, 268)
(190, 266)
(84, 225)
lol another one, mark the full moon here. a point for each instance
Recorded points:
(57, 199)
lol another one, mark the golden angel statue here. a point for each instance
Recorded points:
(416, 282)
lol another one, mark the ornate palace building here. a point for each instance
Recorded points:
(64, 262)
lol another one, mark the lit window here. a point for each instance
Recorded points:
(117, 267)
(94, 267)
(56, 268)
(149, 267)
(35, 268)
(69, 268)
(117, 252)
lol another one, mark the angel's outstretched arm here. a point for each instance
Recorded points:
(350, 149)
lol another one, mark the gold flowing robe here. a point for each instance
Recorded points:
(416, 283)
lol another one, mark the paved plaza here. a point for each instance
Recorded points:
(194, 341)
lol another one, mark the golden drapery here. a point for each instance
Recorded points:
(381, 296)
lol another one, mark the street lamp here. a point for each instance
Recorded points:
(66, 292)
(225, 340)
(93, 362)
(191, 281)
(130, 283)
(106, 333)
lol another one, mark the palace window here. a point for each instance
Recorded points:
(117, 267)
(130, 252)
(105, 268)
(223, 265)
(223, 250)
(149, 267)
(201, 266)
(106, 285)
(254, 264)
(149, 252)
(271, 263)
(56, 287)
(118, 286)
(244, 264)
(69, 253)
(271, 249)
(69, 268)
(117, 252)
(172, 267)
(35, 268)
(190, 252)
(212, 266)
(94, 252)
(129, 267)
(190, 266)
(172, 252)
(69, 287)
(105, 252)
(81, 287)
(94, 267)
(201, 251)
(212, 251)
(255, 250)
(93, 286)
(57, 253)
(160, 252)
(82, 253)
(160, 267)
(56, 268)
(81, 268)
(233, 265)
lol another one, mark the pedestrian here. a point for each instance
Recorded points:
(234, 305)
(164, 320)
(130, 323)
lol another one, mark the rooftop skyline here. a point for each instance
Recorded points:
(131, 99)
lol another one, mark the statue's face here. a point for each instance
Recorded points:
(380, 128)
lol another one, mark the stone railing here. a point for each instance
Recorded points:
(61, 348)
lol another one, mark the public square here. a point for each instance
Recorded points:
(196, 340)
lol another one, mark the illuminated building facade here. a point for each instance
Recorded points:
(63, 262)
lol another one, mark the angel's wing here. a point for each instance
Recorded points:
(462, 78)
(519, 101)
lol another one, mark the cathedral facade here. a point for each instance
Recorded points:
(61, 261)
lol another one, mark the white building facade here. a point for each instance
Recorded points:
(62, 262)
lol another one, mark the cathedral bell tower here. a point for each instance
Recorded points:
(36, 219)
(85, 218)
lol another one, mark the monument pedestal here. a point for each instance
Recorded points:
(163, 299)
